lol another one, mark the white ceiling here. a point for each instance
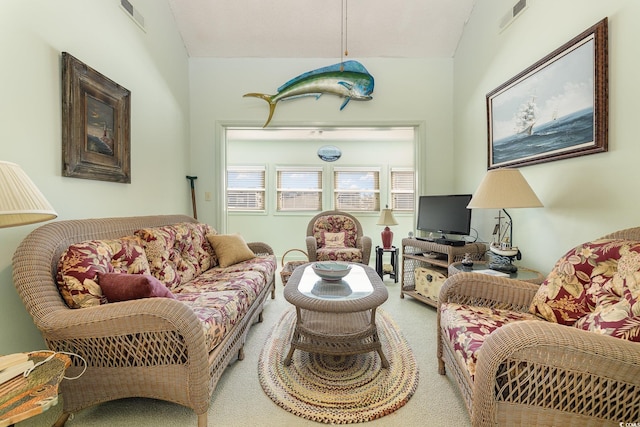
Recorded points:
(312, 28)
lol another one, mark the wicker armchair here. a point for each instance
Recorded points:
(337, 236)
(533, 371)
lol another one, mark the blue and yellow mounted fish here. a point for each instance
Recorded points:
(349, 80)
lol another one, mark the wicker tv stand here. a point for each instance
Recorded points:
(432, 255)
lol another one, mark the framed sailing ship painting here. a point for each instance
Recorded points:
(555, 109)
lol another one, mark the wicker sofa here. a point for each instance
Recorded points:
(562, 353)
(173, 348)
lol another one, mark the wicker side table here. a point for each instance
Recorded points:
(336, 317)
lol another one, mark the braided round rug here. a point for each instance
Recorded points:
(338, 389)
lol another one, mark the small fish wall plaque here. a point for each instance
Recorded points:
(349, 80)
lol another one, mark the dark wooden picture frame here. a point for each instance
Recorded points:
(555, 109)
(95, 124)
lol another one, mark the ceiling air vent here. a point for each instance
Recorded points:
(132, 13)
(511, 15)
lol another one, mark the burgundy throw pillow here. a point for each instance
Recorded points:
(124, 287)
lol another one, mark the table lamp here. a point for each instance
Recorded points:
(387, 219)
(21, 202)
(501, 189)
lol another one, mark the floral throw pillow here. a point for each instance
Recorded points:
(594, 286)
(81, 263)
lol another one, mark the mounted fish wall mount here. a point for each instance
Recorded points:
(349, 80)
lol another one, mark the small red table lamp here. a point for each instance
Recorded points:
(387, 219)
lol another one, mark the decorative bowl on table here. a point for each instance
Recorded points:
(331, 271)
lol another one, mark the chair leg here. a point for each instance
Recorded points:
(202, 420)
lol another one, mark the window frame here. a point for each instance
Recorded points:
(247, 190)
(280, 191)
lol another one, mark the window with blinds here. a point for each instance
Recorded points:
(299, 189)
(246, 188)
(402, 190)
(356, 189)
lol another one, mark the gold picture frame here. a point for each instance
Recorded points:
(95, 124)
(555, 109)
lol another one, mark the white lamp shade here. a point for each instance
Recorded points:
(504, 188)
(386, 218)
(21, 202)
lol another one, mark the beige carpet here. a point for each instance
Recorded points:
(239, 400)
(334, 389)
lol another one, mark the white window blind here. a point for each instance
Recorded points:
(402, 190)
(299, 189)
(356, 189)
(246, 188)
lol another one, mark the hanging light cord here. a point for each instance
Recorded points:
(344, 49)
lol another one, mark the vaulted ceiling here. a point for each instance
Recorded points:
(321, 28)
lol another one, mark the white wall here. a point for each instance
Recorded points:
(407, 92)
(151, 64)
(585, 197)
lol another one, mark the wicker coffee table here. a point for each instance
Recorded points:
(336, 318)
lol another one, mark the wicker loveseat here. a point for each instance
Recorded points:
(563, 353)
(173, 348)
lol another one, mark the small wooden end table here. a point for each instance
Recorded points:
(336, 317)
(394, 262)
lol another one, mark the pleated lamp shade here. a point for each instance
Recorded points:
(21, 202)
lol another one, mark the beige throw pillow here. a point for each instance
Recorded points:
(334, 240)
(230, 248)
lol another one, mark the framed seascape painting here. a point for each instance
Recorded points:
(95, 124)
(555, 109)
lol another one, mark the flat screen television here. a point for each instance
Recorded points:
(445, 214)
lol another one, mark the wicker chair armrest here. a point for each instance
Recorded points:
(260, 248)
(488, 291)
(312, 246)
(533, 362)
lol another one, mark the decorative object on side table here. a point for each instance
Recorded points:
(500, 189)
(467, 261)
(387, 219)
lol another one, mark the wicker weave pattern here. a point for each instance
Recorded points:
(148, 348)
(540, 373)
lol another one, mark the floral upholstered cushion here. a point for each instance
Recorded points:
(468, 326)
(179, 252)
(339, 254)
(335, 224)
(80, 264)
(594, 286)
(220, 297)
